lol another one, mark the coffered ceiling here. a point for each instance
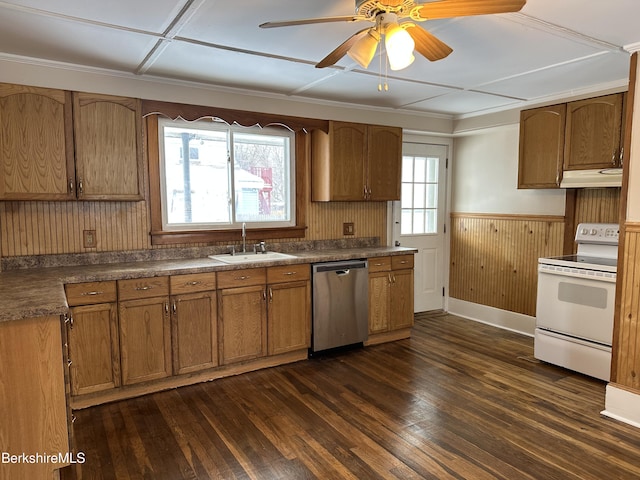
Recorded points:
(551, 49)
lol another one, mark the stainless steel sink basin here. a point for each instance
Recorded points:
(250, 257)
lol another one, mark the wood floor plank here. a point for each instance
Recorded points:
(458, 400)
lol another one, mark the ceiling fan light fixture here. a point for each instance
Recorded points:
(365, 48)
(399, 46)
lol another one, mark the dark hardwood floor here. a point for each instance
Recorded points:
(459, 400)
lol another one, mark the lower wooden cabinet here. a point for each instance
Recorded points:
(194, 322)
(33, 404)
(289, 308)
(390, 294)
(92, 337)
(243, 323)
(94, 348)
(145, 331)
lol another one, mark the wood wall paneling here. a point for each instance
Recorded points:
(494, 258)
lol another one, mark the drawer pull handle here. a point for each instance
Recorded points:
(290, 273)
(244, 277)
(192, 284)
(377, 264)
(402, 262)
(142, 289)
(95, 292)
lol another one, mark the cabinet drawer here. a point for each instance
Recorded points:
(90, 293)
(402, 261)
(288, 273)
(242, 278)
(143, 288)
(379, 264)
(192, 283)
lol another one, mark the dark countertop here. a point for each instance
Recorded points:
(28, 293)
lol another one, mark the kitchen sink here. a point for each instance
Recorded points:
(250, 257)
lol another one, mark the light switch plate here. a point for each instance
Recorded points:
(89, 239)
(347, 229)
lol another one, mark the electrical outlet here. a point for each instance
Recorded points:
(89, 239)
(347, 229)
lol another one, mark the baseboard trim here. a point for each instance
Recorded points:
(622, 405)
(515, 322)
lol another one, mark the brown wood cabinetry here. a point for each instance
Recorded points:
(145, 342)
(38, 157)
(581, 135)
(289, 308)
(594, 133)
(33, 407)
(92, 336)
(390, 297)
(242, 304)
(108, 147)
(36, 144)
(194, 328)
(355, 162)
(541, 147)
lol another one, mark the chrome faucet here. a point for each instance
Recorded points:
(244, 237)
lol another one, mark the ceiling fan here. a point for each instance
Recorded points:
(400, 37)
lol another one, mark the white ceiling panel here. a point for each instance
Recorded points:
(563, 79)
(149, 15)
(230, 69)
(66, 41)
(463, 102)
(363, 89)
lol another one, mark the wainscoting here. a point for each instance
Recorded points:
(494, 258)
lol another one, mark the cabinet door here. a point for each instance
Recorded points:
(593, 133)
(94, 349)
(289, 317)
(384, 163)
(145, 343)
(541, 147)
(379, 301)
(108, 138)
(36, 144)
(194, 332)
(339, 162)
(401, 315)
(243, 324)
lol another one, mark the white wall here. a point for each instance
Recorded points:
(485, 176)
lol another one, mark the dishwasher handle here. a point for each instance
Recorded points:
(341, 273)
(340, 266)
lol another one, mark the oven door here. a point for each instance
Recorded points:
(575, 303)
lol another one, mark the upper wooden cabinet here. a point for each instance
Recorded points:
(541, 147)
(356, 162)
(38, 158)
(581, 135)
(593, 133)
(108, 147)
(36, 144)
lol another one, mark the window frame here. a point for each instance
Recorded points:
(230, 132)
(159, 236)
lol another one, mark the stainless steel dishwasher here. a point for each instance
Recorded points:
(340, 304)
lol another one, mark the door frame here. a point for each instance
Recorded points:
(418, 137)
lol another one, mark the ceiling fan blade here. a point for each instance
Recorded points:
(463, 8)
(310, 21)
(342, 49)
(427, 44)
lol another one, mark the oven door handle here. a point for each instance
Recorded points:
(577, 273)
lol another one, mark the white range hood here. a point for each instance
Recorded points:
(607, 177)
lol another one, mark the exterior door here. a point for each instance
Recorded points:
(419, 219)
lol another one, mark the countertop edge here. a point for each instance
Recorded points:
(44, 287)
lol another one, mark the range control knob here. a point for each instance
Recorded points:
(584, 231)
(594, 231)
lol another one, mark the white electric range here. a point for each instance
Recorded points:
(575, 303)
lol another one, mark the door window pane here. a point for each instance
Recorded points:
(419, 199)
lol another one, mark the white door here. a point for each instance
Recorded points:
(419, 219)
